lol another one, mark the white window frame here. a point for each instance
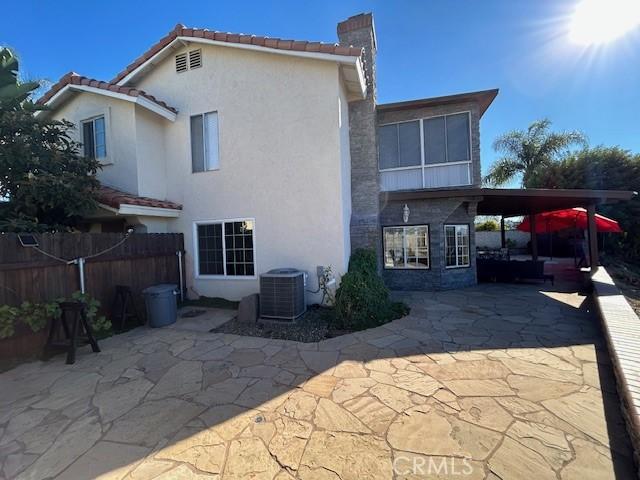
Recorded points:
(456, 227)
(205, 150)
(196, 251)
(92, 120)
(404, 247)
(425, 166)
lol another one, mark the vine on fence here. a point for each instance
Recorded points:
(36, 315)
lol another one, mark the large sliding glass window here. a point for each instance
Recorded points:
(406, 247)
(225, 248)
(456, 245)
(426, 153)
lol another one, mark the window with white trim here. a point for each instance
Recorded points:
(456, 245)
(204, 142)
(94, 138)
(426, 153)
(226, 248)
(406, 247)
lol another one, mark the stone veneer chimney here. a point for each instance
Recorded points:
(365, 231)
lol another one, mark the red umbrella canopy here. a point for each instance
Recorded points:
(569, 218)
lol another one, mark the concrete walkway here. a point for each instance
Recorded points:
(498, 381)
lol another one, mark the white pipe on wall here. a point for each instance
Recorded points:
(179, 253)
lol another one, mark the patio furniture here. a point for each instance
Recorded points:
(496, 270)
(73, 321)
(123, 307)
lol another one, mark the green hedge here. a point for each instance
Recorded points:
(362, 301)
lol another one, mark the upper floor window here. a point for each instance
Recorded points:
(94, 138)
(204, 142)
(425, 153)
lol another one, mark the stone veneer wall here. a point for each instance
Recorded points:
(435, 213)
(621, 328)
(365, 232)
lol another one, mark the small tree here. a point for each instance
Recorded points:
(489, 225)
(602, 168)
(526, 152)
(45, 185)
(362, 300)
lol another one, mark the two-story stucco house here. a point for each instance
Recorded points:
(272, 153)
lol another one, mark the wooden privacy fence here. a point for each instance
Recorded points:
(140, 261)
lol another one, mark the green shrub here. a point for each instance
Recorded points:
(362, 300)
(36, 315)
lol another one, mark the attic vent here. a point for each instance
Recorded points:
(195, 58)
(181, 63)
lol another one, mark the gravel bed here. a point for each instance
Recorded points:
(313, 326)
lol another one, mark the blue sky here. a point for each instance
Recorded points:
(426, 48)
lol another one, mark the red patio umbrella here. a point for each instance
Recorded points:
(575, 218)
(569, 218)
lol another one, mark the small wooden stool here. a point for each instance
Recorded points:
(73, 321)
(124, 300)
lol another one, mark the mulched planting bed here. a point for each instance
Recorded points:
(313, 326)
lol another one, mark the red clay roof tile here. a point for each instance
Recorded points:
(240, 38)
(73, 78)
(115, 198)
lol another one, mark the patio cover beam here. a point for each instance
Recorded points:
(534, 237)
(593, 238)
(511, 202)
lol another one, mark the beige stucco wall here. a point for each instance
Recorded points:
(282, 158)
(345, 162)
(119, 169)
(150, 152)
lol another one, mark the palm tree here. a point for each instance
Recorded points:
(13, 92)
(527, 151)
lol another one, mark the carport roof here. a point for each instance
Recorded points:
(513, 202)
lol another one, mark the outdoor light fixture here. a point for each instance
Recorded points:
(405, 213)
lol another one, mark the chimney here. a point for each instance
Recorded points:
(359, 31)
(365, 207)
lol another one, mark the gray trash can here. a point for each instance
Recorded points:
(161, 304)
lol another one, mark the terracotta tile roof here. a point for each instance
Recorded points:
(73, 78)
(240, 38)
(114, 198)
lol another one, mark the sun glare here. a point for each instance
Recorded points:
(595, 22)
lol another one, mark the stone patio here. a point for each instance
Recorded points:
(497, 382)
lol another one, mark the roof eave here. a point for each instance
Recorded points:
(126, 209)
(61, 95)
(484, 98)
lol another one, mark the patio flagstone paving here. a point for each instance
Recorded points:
(498, 381)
